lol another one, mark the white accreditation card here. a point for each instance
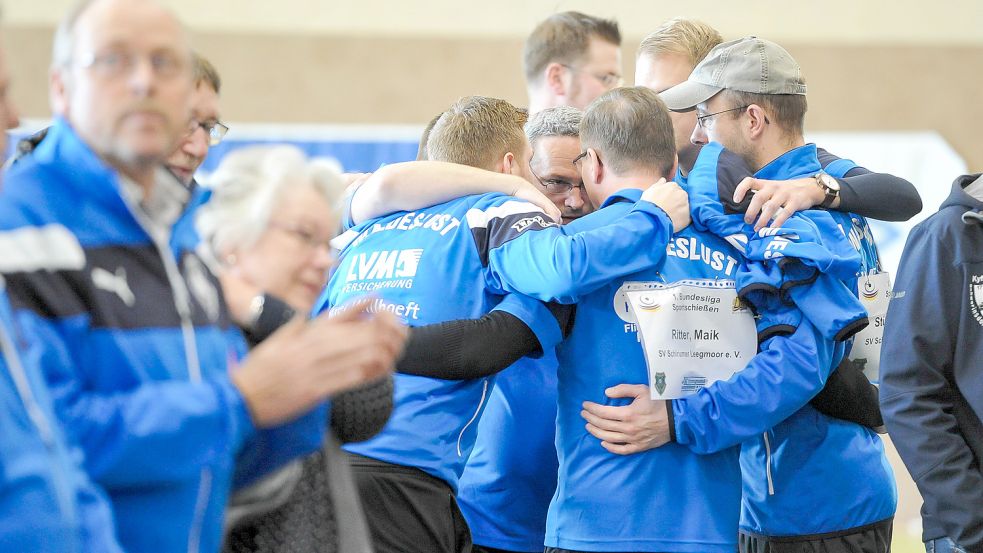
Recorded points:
(874, 291)
(694, 333)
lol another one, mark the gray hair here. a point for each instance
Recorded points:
(249, 183)
(61, 51)
(632, 129)
(64, 41)
(558, 121)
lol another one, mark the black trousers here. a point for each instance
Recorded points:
(558, 550)
(872, 538)
(482, 549)
(408, 510)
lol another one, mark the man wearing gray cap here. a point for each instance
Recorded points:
(810, 482)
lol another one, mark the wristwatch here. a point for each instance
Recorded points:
(256, 306)
(830, 186)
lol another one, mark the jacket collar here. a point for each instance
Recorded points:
(90, 178)
(797, 162)
(85, 172)
(625, 195)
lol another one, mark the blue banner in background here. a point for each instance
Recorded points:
(355, 157)
(358, 148)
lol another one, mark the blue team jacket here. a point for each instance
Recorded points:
(804, 473)
(455, 261)
(136, 346)
(806, 264)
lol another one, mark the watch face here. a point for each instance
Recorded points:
(829, 182)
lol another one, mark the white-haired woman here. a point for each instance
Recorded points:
(268, 225)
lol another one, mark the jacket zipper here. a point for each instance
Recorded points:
(37, 418)
(481, 402)
(182, 302)
(771, 483)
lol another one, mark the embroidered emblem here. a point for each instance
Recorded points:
(201, 287)
(115, 283)
(976, 298)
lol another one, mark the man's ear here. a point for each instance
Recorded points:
(595, 166)
(757, 121)
(553, 78)
(675, 169)
(508, 164)
(58, 91)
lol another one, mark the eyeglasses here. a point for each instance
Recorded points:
(556, 187)
(215, 130)
(580, 157)
(306, 237)
(609, 80)
(705, 122)
(120, 63)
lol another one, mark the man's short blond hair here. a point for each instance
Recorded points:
(688, 37)
(478, 131)
(564, 38)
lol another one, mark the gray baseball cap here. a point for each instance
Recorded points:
(750, 64)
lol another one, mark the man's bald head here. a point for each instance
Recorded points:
(65, 34)
(121, 76)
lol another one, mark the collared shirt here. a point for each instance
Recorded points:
(163, 207)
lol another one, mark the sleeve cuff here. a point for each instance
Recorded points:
(275, 314)
(537, 316)
(672, 420)
(346, 210)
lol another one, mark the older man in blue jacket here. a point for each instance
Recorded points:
(129, 325)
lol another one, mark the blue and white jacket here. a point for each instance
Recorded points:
(135, 342)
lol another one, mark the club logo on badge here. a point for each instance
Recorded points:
(660, 383)
(648, 303)
(869, 291)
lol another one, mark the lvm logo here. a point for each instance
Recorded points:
(383, 269)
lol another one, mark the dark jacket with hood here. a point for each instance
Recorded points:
(932, 365)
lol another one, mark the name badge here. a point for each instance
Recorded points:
(693, 333)
(874, 292)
